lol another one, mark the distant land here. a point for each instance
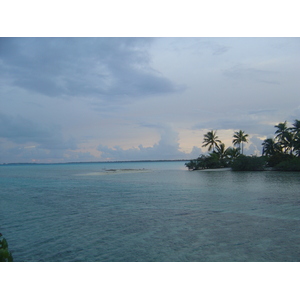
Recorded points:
(95, 162)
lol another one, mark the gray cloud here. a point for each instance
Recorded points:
(166, 148)
(196, 152)
(254, 146)
(253, 121)
(61, 97)
(201, 45)
(27, 154)
(20, 130)
(244, 72)
(104, 67)
(262, 111)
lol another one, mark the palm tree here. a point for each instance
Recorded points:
(296, 137)
(239, 138)
(297, 144)
(210, 140)
(231, 154)
(289, 142)
(296, 127)
(284, 136)
(281, 131)
(270, 147)
(220, 150)
(281, 128)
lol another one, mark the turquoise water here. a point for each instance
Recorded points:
(148, 211)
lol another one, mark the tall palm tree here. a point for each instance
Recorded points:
(281, 128)
(296, 127)
(296, 137)
(239, 138)
(284, 137)
(210, 140)
(270, 147)
(289, 142)
(281, 131)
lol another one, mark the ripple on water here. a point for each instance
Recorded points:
(48, 214)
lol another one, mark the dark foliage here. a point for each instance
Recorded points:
(220, 157)
(210, 161)
(277, 158)
(292, 164)
(283, 150)
(280, 153)
(5, 255)
(248, 163)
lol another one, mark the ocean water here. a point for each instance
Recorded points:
(148, 211)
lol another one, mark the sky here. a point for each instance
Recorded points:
(100, 99)
(134, 98)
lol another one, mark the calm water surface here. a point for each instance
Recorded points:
(148, 211)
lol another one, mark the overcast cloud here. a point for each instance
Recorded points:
(98, 99)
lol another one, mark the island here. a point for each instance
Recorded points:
(280, 153)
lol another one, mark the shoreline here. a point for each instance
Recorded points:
(214, 170)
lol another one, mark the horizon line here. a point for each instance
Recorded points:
(90, 162)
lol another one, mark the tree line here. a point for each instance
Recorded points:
(280, 153)
(283, 151)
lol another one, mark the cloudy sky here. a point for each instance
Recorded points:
(99, 99)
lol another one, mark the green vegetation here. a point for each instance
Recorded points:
(211, 140)
(5, 255)
(220, 157)
(279, 153)
(248, 163)
(283, 151)
(292, 164)
(239, 138)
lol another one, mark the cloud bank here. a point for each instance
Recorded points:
(92, 99)
(167, 148)
(108, 68)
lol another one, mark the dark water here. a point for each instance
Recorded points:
(156, 212)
